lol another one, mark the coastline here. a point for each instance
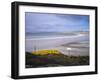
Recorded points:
(55, 37)
(58, 42)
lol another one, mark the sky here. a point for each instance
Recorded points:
(46, 22)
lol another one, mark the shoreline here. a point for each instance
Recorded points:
(56, 42)
(58, 37)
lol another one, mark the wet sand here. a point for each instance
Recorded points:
(76, 43)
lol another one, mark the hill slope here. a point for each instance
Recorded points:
(51, 59)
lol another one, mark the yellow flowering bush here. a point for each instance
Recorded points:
(46, 52)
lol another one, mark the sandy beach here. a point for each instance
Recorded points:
(60, 43)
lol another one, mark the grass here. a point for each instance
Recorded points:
(51, 58)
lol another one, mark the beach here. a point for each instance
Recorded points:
(78, 43)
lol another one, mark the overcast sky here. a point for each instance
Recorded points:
(44, 22)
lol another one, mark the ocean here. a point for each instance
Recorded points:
(77, 42)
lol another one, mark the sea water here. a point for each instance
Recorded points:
(79, 43)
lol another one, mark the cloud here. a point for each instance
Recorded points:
(43, 22)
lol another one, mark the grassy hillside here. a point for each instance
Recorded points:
(51, 58)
